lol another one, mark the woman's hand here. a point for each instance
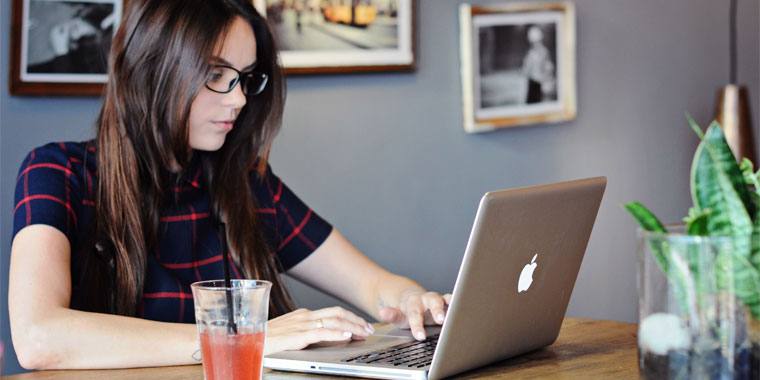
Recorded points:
(300, 328)
(417, 309)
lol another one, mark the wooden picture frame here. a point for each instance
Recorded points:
(343, 36)
(517, 64)
(60, 47)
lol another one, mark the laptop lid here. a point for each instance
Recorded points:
(518, 272)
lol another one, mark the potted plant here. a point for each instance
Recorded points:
(699, 283)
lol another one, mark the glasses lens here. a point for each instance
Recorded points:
(222, 79)
(254, 83)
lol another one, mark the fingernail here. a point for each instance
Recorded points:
(347, 334)
(369, 329)
(440, 317)
(420, 335)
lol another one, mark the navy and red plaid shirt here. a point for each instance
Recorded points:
(56, 186)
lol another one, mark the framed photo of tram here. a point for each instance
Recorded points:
(517, 64)
(342, 36)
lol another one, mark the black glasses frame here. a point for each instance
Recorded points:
(243, 77)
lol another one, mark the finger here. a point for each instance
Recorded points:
(447, 298)
(415, 315)
(344, 314)
(328, 335)
(339, 312)
(393, 315)
(298, 341)
(305, 325)
(434, 303)
(340, 324)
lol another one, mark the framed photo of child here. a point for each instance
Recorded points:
(60, 47)
(517, 64)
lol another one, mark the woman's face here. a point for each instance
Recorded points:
(212, 115)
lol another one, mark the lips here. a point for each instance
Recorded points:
(225, 125)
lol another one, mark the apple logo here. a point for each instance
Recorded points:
(526, 276)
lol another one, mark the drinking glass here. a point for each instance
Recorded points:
(232, 351)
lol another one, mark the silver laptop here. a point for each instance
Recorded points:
(510, 297)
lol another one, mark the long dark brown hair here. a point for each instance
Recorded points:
(159, 60)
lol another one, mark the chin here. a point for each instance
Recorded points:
(208, 145)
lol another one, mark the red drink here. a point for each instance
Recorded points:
(232, 357)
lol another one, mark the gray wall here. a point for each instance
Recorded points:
(384, 157)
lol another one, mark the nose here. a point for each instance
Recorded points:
(235, 98)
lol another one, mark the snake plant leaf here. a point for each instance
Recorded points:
(723, 158)
(715, 178)
(728, 216)
(649, 222)
(695, 127)
(750, 177)
(755, 243)
(696, 221)
(745, 281)
(661, 250)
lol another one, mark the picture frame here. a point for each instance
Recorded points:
(60, 47)
(517, 64)
(343, 36)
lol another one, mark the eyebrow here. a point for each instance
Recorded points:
(225, 62)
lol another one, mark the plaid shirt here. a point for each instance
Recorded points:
(56, 186)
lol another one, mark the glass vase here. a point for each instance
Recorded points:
(693, 323)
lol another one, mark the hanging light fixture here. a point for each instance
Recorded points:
(732, 106)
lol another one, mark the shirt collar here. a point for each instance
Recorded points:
(193, 173)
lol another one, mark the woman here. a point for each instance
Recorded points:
(109, 234)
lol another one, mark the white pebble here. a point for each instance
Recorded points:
(660, 333)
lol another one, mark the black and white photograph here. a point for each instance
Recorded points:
(68, 41)
(341, 34)
(518, 64)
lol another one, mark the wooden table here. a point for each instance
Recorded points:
(585, 349)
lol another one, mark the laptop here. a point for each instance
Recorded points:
(510, 296)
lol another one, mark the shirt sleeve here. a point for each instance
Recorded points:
(47, 192)
(299, 230)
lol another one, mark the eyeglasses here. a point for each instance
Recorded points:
(223, 80)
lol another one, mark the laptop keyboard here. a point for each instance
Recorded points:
(411, 355)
